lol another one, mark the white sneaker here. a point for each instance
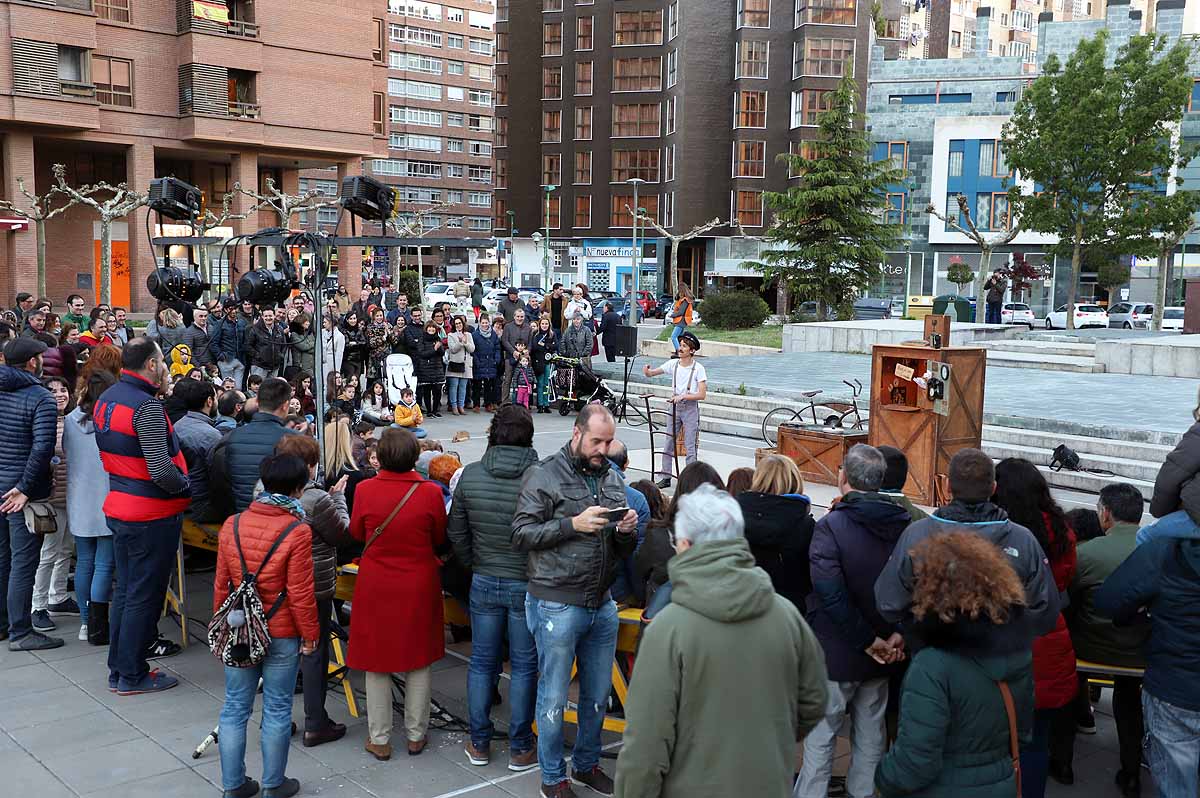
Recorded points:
(83, 632)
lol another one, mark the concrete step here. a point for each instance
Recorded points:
(1041, 348)
(1024, 360)
(1084, 482)
(1085, 445)
(759, 404)
(1120, 467)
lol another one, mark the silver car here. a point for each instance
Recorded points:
(1131, 315)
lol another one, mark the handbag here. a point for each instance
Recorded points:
(1013, 742)
(456, 367)
(379, 529)
(40, 518)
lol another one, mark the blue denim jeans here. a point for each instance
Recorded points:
(1172, 525)
(497, 608)
(456, 390)
(678, 331)
(93, 571)
(20, 553)
(1172, 746)
(564, 634)
(144, 552)
(543, 386)
(278, 674)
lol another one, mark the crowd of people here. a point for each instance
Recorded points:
(948, 641)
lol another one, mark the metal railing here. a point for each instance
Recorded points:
(238, 27)
(244, 110)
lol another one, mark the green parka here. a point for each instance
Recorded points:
(481, 515)
(728, 678)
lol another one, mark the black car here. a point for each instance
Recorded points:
(620, 305)
(665, 303)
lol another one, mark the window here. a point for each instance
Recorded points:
(479, 149)
(415, 62)
(482, 46)
(637, 27)
(501, 48)
(551, 169)
(480, 72)
(455, 145)
(802, 149)
(637, 74)
(115, 10)
(826, 12)
(501, 131)
(114, 80)
(827, 57)
(583, 168)
(750, 208)
(414, 89)
(378, 102)
(388, 167)
(551, 208)
(808, 104)
(583, 78)
(423, 37)
(668, 214)
(454, 41)
(456, 93)
(955, 168)
(479, 199)
(672, 68)
(552, 38)
(668, 163)
(955, 39)
(583, 123)
(455, 119)
(671, 119)
(929, 99)
(583, 33)
(630, 164)
(454, 14)
(1006, 96)
(72, 65)
(479, 223)
(552, 82)
(895, 210)
(552, 5)
(420, 196)
(416, 116)
(752, 109)
(897, 151)
(750, 159)
(620, 213)
(636, 120)
(754, 13)
(501, 176)
(752, 59)
(991, 211)
(1194, 100)
(502, 89)
(455, 170)
(673, 20)
(378, 46)
(583, 210)
(416, 141)
(479, 122)
(552, 126)
(455, 68)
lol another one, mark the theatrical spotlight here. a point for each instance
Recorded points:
(175, 199)
(367, 198)
(266, 286)
(170, 283)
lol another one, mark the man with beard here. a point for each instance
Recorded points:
(198, 436)
(565, 519)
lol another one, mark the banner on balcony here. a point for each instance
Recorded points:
(212, 10)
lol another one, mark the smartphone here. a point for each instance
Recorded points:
(617, 514)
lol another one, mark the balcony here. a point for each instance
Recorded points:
(75, 88)
(244, 110)
(242, 28)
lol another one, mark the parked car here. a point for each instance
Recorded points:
(1131, 315)
(896, 311)
(647, 304)
(620, 305)
(491, 299)
(438, 292)
(1173, 319)
(1017, 313)
(807, 311)
(1086, 315)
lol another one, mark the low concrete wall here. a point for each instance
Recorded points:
(655, 348)
(1169, 356)
(859, 336)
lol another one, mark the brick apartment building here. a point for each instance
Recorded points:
(127, 90)
(698, 99)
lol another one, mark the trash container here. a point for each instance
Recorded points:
(919, 306)
(956, 307)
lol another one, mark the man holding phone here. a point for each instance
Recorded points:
(572, 519)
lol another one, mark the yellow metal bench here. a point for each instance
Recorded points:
(1101, 674)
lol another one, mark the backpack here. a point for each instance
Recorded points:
(238, 633)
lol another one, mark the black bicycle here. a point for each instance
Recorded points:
(831, 415)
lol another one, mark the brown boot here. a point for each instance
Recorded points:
(417, 747)
(477, 410)
(381, 752)
(526, 760)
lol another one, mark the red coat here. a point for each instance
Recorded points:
(290, 566)
(396, 625)
(1054, 677)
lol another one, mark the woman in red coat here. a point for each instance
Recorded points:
(1023, 492)
(396, 624)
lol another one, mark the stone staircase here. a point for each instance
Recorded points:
(1045, 355)
(1132, 456)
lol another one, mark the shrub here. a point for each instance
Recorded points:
(408, 282)
(734, 310)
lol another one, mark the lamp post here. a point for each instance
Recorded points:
(546, 239)
(636, 255)
(512, 245)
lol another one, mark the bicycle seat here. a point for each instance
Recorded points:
(809, 394)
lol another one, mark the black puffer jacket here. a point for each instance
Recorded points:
(266, 347)
(430, 367)
(481, 516)
(241, 453)
(565, 565)
(779, 530)
(1176, 487)
(326, 513)
(28, 426)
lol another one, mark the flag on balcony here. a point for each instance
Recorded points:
(212, 10)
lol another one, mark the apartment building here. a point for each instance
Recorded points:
(215, 92)
(695, 99)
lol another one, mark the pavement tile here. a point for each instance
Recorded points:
(176, 784)
(33, 677)
(425, 775)
(44, 739)
(32, 709)
(25, 776)
(101, 768)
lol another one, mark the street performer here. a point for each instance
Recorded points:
(689, 387)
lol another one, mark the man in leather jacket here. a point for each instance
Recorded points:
(563, 520)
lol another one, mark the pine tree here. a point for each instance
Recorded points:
(830, 235)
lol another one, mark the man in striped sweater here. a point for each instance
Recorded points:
(148, 492)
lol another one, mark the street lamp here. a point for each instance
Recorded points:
(636, 255)
(546, 240)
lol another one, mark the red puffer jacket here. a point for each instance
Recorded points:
(1054, 677)
(291, 566)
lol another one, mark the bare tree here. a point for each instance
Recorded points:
(415, 227)
(210, 221)
(986, 247)
(285, 205)
(110, 203)
(677, 238)
(40, 211)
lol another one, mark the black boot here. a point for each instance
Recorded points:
(98, 623)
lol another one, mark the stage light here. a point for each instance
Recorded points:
(175, 199)
(171, 283)
(265, 287)
(367, 198)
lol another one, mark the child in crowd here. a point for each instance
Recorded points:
(408, 414)
(252, 383)
(524, 381)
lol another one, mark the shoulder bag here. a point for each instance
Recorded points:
(40, 518)
(379, 529)
(1013, 742)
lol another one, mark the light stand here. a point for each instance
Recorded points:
(624, 406)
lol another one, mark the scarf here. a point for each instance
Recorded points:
(293, 506)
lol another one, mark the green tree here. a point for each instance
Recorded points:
(1092, 138)
(1112, 270)
(831, 235)
(959, 273)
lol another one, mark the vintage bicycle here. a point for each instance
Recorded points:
(832, 415)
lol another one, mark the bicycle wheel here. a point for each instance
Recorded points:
(828, 416)
(772, 420)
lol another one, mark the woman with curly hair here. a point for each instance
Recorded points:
(954, 734)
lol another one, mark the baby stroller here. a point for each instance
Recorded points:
(575, 385)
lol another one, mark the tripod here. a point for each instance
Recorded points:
(625, 406)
